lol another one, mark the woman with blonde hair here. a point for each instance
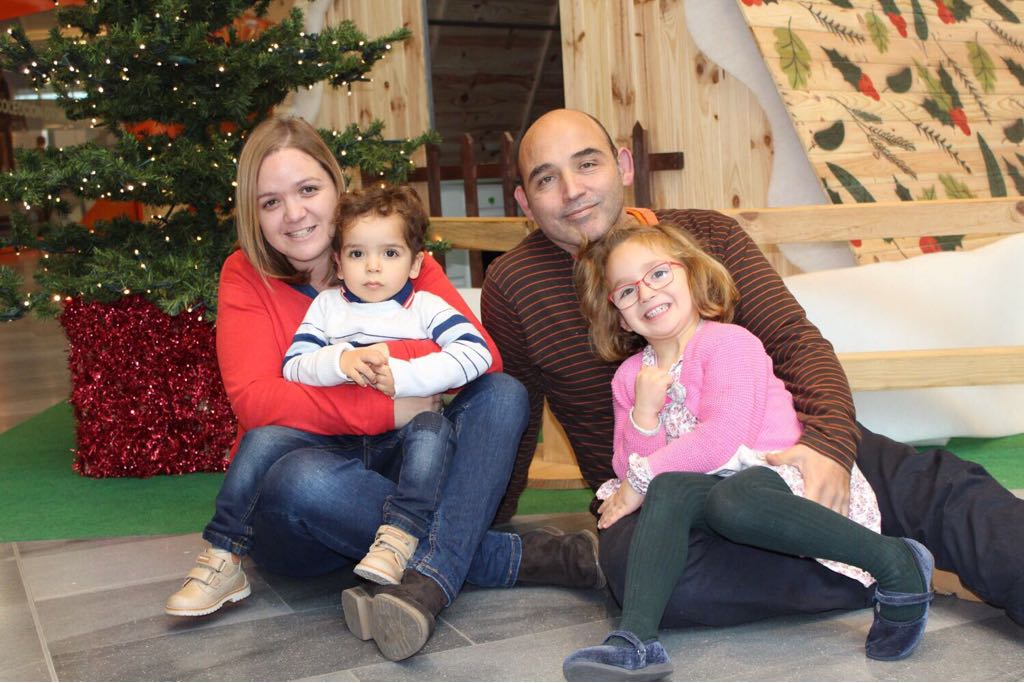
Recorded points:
(304, 494)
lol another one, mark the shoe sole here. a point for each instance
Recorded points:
(593, 671)
(400, 631)
(378, 576)
(357, 604)
(240, 594)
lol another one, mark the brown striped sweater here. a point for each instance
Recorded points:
(530, 308)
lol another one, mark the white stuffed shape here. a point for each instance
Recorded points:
(943, 300)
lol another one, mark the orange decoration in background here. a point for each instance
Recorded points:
(106, 209)
(247, 27)
(12, 9)
(144, 129)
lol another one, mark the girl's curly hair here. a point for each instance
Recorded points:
(712, 288)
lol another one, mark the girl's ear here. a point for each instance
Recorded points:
(417, 263)
(623, 324)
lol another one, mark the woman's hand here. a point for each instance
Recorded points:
(362, 365)
(652, 385)
(623, 502)
(409, 407)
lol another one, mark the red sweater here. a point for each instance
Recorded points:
(255, 323)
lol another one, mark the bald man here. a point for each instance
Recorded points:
(573, 179)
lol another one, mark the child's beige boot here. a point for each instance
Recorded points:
(214, 580)
(390, 553)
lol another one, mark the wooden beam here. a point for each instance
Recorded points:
(455, 172)
(508, 174)
(878, 370)
(641, 168)
(433, 178)
(881, 220)
(490, 234)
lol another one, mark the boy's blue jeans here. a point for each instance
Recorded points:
(306, 504)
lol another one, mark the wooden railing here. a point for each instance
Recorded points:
(867, 371)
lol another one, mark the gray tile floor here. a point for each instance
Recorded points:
(92, 610)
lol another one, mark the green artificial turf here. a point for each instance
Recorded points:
(42, 498)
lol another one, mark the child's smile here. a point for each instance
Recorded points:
(663, 314)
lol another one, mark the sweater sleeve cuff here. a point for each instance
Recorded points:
(842, 451)
(640, 474)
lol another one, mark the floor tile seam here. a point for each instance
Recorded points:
(111, 587)
(68, 546)
(459, 631)
(149, 637)
(483, 644)
(47, 656)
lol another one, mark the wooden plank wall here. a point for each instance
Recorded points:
(626, 61)
(399, 93)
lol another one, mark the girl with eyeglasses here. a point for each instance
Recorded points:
(697, 409)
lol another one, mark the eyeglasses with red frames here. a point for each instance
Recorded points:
(624, 296)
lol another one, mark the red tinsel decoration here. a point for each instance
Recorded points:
(146, 390)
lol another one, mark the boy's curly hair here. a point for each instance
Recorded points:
(383, 200)
(712, 289)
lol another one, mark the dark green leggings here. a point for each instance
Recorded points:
(754, 507)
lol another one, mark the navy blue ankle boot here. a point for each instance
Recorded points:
(639, 662)
(892, 640)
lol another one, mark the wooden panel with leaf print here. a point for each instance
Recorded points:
(901, 99)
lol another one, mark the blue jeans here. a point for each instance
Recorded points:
(420, 454)
(312, 504)
(427, 444)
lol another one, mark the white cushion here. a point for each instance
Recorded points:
(944, 300)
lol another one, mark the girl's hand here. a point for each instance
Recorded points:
(652, 384)
(623, 502)
(362, 365)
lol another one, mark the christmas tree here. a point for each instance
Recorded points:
(178, 84)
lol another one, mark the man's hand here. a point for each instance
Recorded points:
(825, 480)
(409, 407)
(623, 502)
(362, 365)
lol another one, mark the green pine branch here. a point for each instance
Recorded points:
(181, 63)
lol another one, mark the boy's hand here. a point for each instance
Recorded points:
(384, 381)
(623, 502)
(362, 365)
(652, 384)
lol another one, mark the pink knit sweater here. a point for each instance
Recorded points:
(732, 391)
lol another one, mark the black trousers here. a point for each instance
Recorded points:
(972, 525)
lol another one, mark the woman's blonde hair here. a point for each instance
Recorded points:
(273, 135)
(711, 287)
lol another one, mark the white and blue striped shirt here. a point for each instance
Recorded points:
(338, 321)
